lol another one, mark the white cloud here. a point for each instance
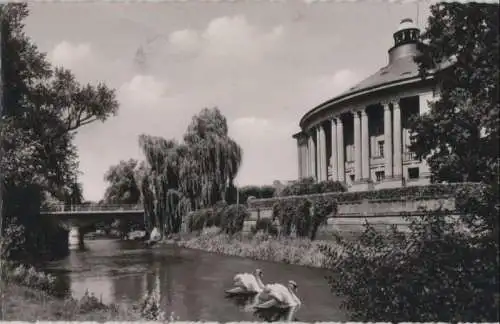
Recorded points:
(184, 41)
(70, 55)
(227, 37)
(143, 90)
(320, 88)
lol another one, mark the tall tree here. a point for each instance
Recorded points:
(447, 270)
(459, 136)
(43, 108)
(123, 187)
(212, 159)
(163, 201)
(179, 177)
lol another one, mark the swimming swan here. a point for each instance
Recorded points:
(277, 295)
(247, 283)
(154, 237)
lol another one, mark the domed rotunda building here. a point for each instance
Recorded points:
(361, 137)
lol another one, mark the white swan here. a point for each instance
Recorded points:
(277, 295)
(154, 237)
(247, 283)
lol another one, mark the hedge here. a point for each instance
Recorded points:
(433, 191)
(309, 186)
(303, 214)
(229, 218)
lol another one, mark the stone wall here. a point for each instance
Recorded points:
(381, 213)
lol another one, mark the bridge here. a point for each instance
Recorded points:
(78, 217)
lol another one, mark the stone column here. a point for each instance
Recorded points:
(299, 156)
(313, 158)
(333, 159)
(340, 150)
(319, 145)
(306, 157)
(324, 171)
(309, 156)
(357, 147)
(387, 140)
(303, 159)
(398, 163)
(365, 155)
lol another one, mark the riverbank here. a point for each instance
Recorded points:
(28, 295)
(296, 251)
(27, 304)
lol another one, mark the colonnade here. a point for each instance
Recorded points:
(313, 151)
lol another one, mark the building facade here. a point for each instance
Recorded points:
(362, 136)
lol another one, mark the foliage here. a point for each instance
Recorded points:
(159, 182)
(36, 293)
(263, 247)
(230, 218)
(28, 277)
(233, 218)
(266, 226)
(309, 186)
(200, 218)
(123, 187)
(255, 192)
(304, 215)
(444, 271)
(181, 177)
(445, 268)
(322, 208)
(43, 107)
(413, 193)
(459, 136)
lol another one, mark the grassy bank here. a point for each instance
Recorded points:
(30, 295)
(260, 246)
(22, 303)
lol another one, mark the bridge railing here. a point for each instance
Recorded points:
(91, 208)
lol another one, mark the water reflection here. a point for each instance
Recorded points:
(189, 283)
(245, 302)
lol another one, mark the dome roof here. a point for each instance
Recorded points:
(402, 68)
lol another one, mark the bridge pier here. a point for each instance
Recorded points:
(75, 239)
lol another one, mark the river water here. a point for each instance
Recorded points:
(191, 283)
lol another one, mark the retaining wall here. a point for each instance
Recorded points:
(381, 213)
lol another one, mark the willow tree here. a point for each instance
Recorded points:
(180, 177)
(212, 160)
(163, 202)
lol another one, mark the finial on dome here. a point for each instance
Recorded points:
(407, 23)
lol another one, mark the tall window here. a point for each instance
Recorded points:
(381, 148)
(380, 175)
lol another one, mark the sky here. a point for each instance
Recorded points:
(264, 64)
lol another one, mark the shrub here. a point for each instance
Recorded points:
(198, 219)
(215, 219)
(304, 215)
(434, 191)
(255, 191)
(27, 276)
(437, 272)
(266, 226)
(322, 209)
(233, 218)
(309, 186)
